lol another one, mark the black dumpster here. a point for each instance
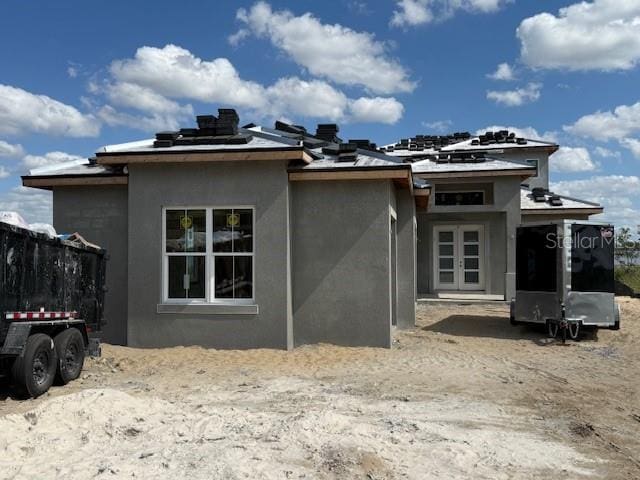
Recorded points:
(39, 272)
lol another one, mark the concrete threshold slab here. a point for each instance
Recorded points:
(461, 298)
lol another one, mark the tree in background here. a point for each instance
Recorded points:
(627, 250)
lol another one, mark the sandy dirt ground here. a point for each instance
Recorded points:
(462, 395)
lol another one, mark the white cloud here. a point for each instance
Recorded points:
(633, 145)
(606, 153)
(439, 125)
(411, 13)
(236, 39)
(152, 80)
(175, 72)
(377, 109)
(9, 150)
(572, 160)
(22, 111)
(32, 204)
(622, 122)
(619, 195)
(335, 52)
(72, 72)
(418, 12)
(601, 35)
(524, 132)
(517, 97)
(51, 158)
(503, 72)
(4, 172)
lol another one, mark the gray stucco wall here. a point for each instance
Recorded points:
(341, 245)
(500, 220)
(260, 184)
(542, 180)
(406, 251)
(99, 214)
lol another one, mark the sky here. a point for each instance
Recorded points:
(76, 75)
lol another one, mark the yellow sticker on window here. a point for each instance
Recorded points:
(186, 222)
(233, 220)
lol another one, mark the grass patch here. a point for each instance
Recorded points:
(630, 276)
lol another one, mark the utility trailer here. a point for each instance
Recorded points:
(51, 306)
(565, 277)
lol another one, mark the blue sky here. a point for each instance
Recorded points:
(78, 75)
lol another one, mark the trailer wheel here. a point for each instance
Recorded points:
(574, 330)
(35, 369)
(70, 349)
(552, 328)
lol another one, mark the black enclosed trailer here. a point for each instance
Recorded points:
(51, 306)
(565, 276)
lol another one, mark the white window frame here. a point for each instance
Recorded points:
(210, 256)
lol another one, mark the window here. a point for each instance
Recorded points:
(534, 163)
(460, 198)
(208, 256)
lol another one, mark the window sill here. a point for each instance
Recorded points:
(208, 309)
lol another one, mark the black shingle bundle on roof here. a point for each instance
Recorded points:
(211, 130)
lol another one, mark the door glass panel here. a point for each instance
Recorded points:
(471, 237)
(446, 250)
(471, 277)
(471, 250)
(445, 237)
(446, 263)
(471, 263)
(446, 277)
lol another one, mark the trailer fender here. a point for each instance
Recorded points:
(16, 338)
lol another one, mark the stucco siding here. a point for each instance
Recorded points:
(499, 219)
(341, 263)
(406, 252)
(263, 185)
(99, 214)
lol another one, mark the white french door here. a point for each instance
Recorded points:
(459, 257)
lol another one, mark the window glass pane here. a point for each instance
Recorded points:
(195, 224)
(223, 230)
(446, 277)
(471, 263)
(224, 277)
(471, 250)
(177, 270)
(243, 275)
(243, 231)
(195, 280)
(446, 263)
(186, 277)
(445, 237)
(446, 250)
(185, 231)
(174, 234)
(459, 198)
(471, 237)
(471, 277)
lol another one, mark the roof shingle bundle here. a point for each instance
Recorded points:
(211, 131)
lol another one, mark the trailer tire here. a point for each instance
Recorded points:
(70, 350)
(35, 369)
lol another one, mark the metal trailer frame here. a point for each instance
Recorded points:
(586, 308)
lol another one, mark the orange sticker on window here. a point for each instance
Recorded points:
(186, 222)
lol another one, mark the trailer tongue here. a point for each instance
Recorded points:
(51, 306)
